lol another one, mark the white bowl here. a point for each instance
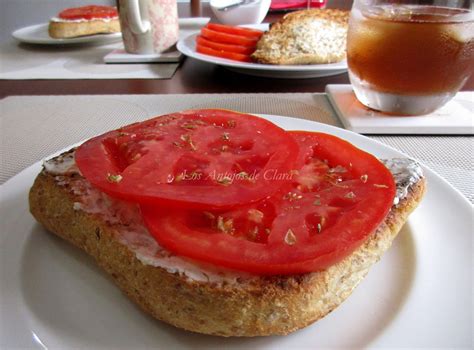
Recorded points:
(252, 13)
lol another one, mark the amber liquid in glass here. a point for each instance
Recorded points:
(410, 59)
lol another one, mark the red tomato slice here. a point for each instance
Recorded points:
(338, 197)
(223, 54)
(89, 12)
(199, 158)
(244, 50)
(247, 32)
(225, 38)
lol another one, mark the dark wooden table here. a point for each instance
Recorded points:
(191, 77)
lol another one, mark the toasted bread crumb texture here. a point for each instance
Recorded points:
(254, 307)
(305, 37)
(64, 30)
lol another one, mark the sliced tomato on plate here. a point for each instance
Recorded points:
(199, 158)
(247, 32)
(226, 38)
(88, 12)
(201, 48)
(335, 200)
(243, 50)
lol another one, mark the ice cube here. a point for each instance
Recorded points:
(461, 32)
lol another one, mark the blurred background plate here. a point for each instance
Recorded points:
(188, 47)
(38, 34)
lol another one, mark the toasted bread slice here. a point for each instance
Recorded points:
(72, 29)
(305, 37)
(191, 295)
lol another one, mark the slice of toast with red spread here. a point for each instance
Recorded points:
(85, 20)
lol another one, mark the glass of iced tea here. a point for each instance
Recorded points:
(410, 57)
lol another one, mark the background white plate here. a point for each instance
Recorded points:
(188, 47)
(419, 295)
(38, 34)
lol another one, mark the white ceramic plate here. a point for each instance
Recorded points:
(38, 34)
(419, 295)
(188, 47)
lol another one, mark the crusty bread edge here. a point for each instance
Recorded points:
(296, 60)
(264, 306)
(64, 30)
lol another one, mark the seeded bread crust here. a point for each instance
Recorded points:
(305, 37)
(262, 306)
(64, 30)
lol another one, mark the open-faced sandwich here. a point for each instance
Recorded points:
(305, 37)
(315, 36)
(223, 223)
(85, 20)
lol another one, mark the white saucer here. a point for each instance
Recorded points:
(455, 118)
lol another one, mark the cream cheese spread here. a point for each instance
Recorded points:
(406, 173)
(82, 20)
(125, 219)
(63, 164)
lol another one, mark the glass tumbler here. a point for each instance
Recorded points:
(409, 57)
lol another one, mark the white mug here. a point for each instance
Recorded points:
(148, 26)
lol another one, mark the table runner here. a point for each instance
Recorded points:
(19, 62)
(85, 61)
(33, 127)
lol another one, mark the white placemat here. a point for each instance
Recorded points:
(19, 62)
(33, 127)
(82, 61)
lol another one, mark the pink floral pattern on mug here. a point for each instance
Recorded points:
(164, 22)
